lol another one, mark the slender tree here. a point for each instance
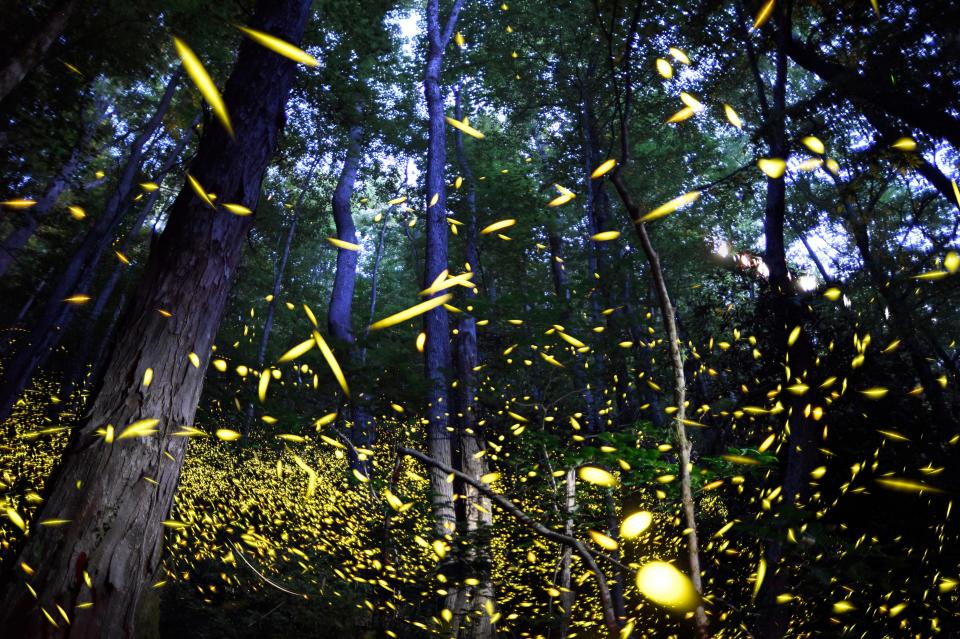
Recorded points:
(435, 325)
(280, 273)
(13, 244)
(668, 317)
(49, 327)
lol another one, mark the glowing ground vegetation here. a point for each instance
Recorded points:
(469, 320)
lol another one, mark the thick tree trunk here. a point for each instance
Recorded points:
(73, 375)
(116, 495)
(49, 328)
(17, 238)
(435, 324)
(28, 56)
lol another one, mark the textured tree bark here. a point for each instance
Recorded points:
(50, 326)
(33, 51)
(17, 238)
(115, 495)
(74, 372)
(435, 323)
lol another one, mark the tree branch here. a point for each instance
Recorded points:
(609, 618)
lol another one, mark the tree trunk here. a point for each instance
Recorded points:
(477, 508)
(784, 313)
(683, 444)
(340, 316)
(28, 56)
(49, 328)
(362, 430)
(558, 270)
(115, 515)
(567, 595)
(78, 361)
(19, 236)
(435, 324)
